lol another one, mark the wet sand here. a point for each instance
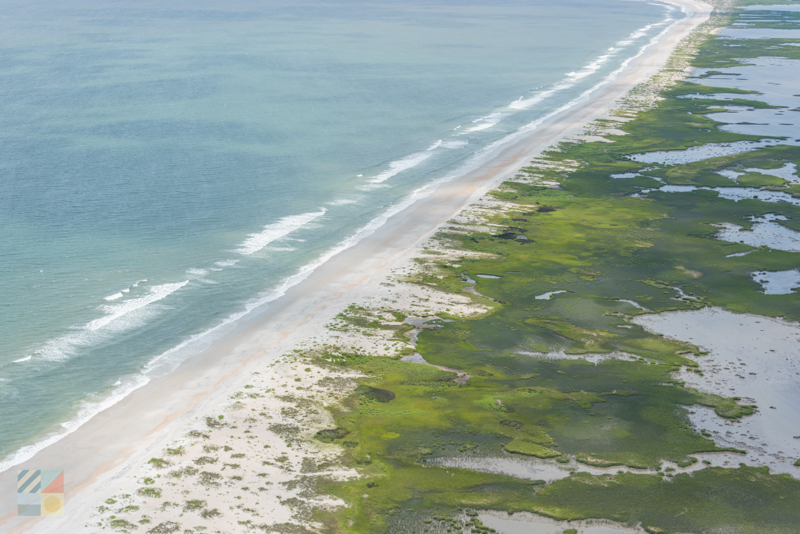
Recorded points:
(102, 451)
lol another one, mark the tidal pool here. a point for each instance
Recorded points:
(778, 282)
(765, 232)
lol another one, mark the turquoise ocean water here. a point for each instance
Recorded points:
(166, 169)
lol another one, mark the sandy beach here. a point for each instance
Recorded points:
(109, 453)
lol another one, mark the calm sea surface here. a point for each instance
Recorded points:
(163, 170)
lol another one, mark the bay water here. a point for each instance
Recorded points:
(165, 168)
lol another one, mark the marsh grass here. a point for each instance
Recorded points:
(593, 239)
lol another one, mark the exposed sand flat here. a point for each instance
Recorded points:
(752, 357)
(99, 456)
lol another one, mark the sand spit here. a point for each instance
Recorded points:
(109, 455)
(751, 357)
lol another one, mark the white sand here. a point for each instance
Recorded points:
(103, 456)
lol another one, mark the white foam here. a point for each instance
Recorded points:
(226, 263)
(396, 167)
(778, 282)
(372, 187)
(134, 311)
(638, 34)
(591, 68)
(113, 313)
(341, 202)
(452, 145)
(525, 103)
(199, 273)
(172, 357)
(277, 230)
(25, 359)
(115, 296)
(87, 410)
(583, 96)
(484, 123)
(435, 145)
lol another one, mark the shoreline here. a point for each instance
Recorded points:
(170, 359)
(150, 416)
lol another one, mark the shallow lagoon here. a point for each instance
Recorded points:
(752, 357)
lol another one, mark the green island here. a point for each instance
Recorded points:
(564, 225)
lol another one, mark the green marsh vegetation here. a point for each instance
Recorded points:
(613, 256)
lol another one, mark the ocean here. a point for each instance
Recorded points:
(168, 169)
